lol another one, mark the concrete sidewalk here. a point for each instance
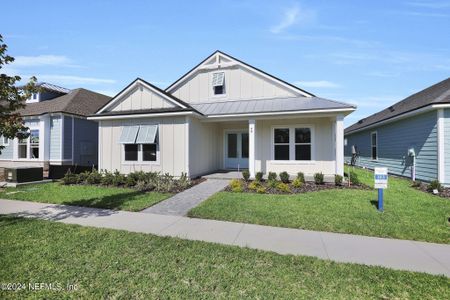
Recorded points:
(397, 254)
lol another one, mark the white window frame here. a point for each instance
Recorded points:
(292, 144)
(28, 158)
(371, 144)
(224, 88)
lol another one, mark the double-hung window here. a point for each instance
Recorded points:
(28, 148)
(374, 145)
(34, 143)
(140, 143)
(292, 143)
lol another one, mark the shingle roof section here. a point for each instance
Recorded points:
(80, 102)
(268, 105)
(436, 94)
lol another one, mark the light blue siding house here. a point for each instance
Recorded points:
(60, 134)
(411, 138)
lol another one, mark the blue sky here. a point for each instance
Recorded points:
(370, 53)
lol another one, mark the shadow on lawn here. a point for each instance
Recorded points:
(107, 202)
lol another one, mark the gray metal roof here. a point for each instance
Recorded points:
(268, 105)
(438, 93)
(52, 87)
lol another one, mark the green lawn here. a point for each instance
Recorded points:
(409, 213)
(85, 195)
(105, 263)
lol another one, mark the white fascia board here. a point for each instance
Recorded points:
(131, 87)
(245, 66)
(137, 116)
(283, 113)
(441, 145)
(399, 117)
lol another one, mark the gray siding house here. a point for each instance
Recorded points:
(60, 134)
(411, 138)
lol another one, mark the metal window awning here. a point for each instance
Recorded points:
(218, 79)
(129, 134)
(147, 134)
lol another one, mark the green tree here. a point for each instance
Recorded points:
(12, 98)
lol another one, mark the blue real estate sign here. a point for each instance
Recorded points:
(381, 180)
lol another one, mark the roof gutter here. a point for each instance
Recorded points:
(402, 116)
(283, 113)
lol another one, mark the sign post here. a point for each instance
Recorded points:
(381, 180)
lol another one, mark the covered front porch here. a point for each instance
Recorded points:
(308, 144)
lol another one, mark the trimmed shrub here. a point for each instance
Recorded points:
(70, 178)
(301, 177)
(261, 190)
(165, 183)
(183, 182)
(107, 178)
(338, 180)
(284, 177)
(130, 181)
(354, 178)
(272, 184)
(417, 184)
(272, 176)
(141, 186)
(283, 187)
(246, 175)
(118, 179)
(94, 177)
(434, 185)
(258, 176)
(318, 178)
(82, 177)
(236, 185)
(297, 183)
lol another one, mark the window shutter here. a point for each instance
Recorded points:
(218, 79)
(147, 134)
(129, 134)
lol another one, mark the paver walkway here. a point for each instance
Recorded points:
(397, 254)
(181, 203)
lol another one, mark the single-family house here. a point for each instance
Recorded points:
(411, 137)
(59, 133)
(222, 114)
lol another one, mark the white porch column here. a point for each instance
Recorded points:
(441, 143)
(44, 138)
(339, 134)
(251, 147)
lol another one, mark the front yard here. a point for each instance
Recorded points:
(85, 195)
(103, 263)
(409, 213)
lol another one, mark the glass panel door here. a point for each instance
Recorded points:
(236, 150)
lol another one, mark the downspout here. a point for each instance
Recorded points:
(412, 154)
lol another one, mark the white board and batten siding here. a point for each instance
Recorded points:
(172, 146)
(240, 84)
(141, 98)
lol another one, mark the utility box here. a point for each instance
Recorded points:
(24, 174)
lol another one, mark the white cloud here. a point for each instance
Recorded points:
(317, 84)
(74, 80)
(375, 102)
(42, 60)
(292, 16)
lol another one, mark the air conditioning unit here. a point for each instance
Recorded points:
(24, 174)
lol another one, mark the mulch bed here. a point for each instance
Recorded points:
(445, 193)
(305, 188)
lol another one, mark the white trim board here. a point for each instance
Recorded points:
(441, 145)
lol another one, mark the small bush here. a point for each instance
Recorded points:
(254, 185)
(434, 185)
(70, 178)
(118, 179)
(94, 177)
(417, 184)
(272, 184)
(297, 183)
(165, 183)
(283, 187)
(82, 177)
(272, 176)
(261, 190)
(338, 180)
(107, 178)
(318, 178)
(301, 177)
(141, 186)
(130, 181)
(183, 182)
(354, 178)
(258, 176)
(284, 177)
(236, 185)
(246, 175)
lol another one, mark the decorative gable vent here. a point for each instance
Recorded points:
(218, 83)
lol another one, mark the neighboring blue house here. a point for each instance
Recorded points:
(413, 134)
(60, 134)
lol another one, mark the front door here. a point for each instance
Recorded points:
(236, 150)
